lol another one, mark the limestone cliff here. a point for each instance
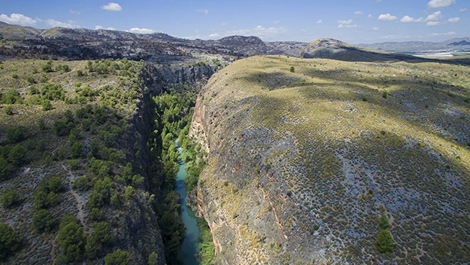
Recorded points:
(306, 155)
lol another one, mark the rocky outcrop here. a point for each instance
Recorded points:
(160, 48)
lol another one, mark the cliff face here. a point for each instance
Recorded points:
(303, 162)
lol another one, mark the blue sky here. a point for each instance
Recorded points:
(353, 21)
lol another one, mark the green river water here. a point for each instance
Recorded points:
(190, 246)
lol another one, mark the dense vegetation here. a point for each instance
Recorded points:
(172, 114)
(206, 245)
(74, 156)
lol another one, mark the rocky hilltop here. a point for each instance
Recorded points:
(306, 155)
(78, 44)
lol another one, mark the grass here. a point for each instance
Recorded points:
(350, 135)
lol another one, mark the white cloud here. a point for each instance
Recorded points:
(347, 26)
(440, 3)
(433, 23)
(106, 28)
(214, 35)
(376, 28)
(55, 23)
(443, 34)
(408, 19)
(358, 13)
(319, 21)
(204, 11)
(259, 31)
(462, 10)
(18, 19)
(370, 16)
(454, 19)
(141, 30)
(112, 7)
(74, 12)
(345, 22)
(387, 17)
(434, 16)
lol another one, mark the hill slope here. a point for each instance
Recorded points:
(303, 162)
(338, 50)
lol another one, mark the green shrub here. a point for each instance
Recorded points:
(43, 221)
(9, 242)
(52, 91)
(81, 184)
(33, 90)
(12, 96)
(46, 105)
(10, 199)
(42, 124)
(383, 222)
(4, 168)
(15, 76)
(77, 149)
(40, 200)
(384, 241)
(153, 258)
(47, 67)
(61, 128)
(17, 134)
(17, 155)
(118, 257)
(8, 110)
(292, 69)
(55, 184)
(30, 80)
(100, 238)
(96, 214)
(71, 238)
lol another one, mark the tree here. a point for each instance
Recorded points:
(4, 168)
(41, 124)
(71, 238)
(43, 221)
(118, 257)
(153, 258)
(55, 184)
(60, 128)
(40, 200)
(10, 199)
(383, 222)
(17, 134)
(17, 155)
(384, 241)
(77, 149)
(8, 241)
(100, 238)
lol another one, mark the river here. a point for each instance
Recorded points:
(190, 246)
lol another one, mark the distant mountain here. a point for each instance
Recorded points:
(415, 46)
(338, 50)
(74, 44)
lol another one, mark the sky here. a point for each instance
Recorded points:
(353, 21)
